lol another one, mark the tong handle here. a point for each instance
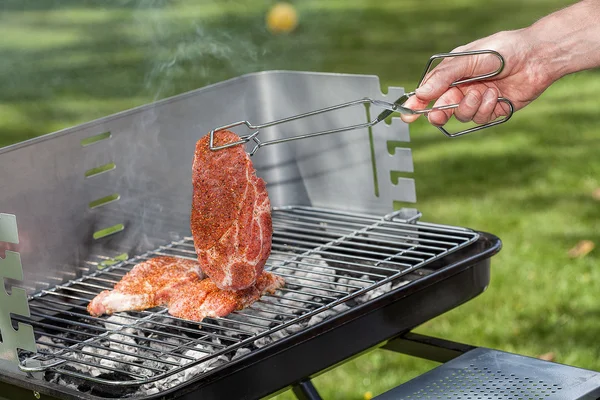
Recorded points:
(467, 80)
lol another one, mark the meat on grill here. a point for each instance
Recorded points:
(231, 214)
(198, 300)
(178, 284)
(147, 285)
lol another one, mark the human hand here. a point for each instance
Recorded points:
(523, 79)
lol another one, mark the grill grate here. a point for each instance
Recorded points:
(328, 258)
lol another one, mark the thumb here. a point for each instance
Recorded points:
(435, 84)
(413, 103)
(438, 81)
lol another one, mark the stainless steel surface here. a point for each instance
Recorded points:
(258, 144)
(327, 257)
(51, 183)
(15, 302)
(8, 229)
(390, 107)
(489, 374)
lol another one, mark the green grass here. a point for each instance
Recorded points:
(528, 181)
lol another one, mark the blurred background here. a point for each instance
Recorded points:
(533, 181)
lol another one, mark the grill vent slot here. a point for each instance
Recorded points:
(475, 383)
(111, 230)
(104, 201)
(100, 170)
(95, 139)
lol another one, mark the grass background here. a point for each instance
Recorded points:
(529, 181)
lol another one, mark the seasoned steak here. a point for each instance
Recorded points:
(231, 214)
(147, 285)
(200, 299)
(178, 284)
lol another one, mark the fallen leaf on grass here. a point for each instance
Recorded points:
(581, 249)
(596, 194)
(547, 356)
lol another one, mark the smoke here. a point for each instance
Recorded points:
(188, 45)
(210, 55)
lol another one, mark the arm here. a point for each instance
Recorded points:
(559, 44)
(573, 37)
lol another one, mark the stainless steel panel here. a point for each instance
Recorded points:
(43, 183)
(13, 303)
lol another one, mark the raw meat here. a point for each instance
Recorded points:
(147, 285)
(178, 284)
(231, 214)
(198, 300)
(186, 302)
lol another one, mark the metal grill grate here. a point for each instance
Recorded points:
(328, 258)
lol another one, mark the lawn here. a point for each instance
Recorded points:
(529, 181)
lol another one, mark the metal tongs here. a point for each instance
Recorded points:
(396, 106)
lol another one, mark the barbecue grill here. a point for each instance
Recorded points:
(80, 207)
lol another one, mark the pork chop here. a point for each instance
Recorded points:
(147, 285)
(231, 214)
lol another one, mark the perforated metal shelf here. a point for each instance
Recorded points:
(489, 374)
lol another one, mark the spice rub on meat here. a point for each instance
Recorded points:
(177, 284)
(231, 214)
(201, 299)
(147, 285)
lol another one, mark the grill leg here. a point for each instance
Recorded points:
(305, 390)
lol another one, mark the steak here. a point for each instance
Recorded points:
(147, 285)
(201, 299)
(178, 284)
(231, 214)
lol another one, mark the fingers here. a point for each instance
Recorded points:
(440, 117)
(487, 107)
(476, 101)
(473, 106)
(478, 107)
(436, 84)
(479, 104)
(468, 106)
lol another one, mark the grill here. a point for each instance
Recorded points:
(90, 202)
(349, 257)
